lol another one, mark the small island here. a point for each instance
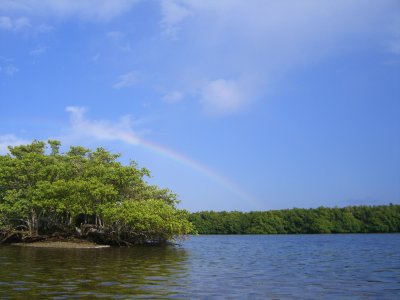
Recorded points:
(83, 196)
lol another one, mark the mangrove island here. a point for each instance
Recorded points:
(83, 195)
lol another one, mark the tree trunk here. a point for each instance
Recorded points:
(33, 228)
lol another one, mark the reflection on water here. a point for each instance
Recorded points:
(116, 272)
(257, 267)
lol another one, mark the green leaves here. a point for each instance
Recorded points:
(352, 219)
(44, 188)
(153, 220)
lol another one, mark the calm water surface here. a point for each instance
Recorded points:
(255, 267)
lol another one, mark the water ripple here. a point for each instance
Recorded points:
(256, 267)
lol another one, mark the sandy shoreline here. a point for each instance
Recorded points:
(62, 245)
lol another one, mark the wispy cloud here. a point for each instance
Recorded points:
(394, 43)
(9, 69)
(223, 97)
(43, 28)
(101, 130)
(115, 35)
(265, 40)
(14, 24)
(173, 97)
(87, 9)
(173, 13)
(127, 80)
(120, 40)
(10, 140)
(38, 51)
(95, 58)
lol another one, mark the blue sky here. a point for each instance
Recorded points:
(234, 105)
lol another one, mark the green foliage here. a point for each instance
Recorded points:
(146, 221)
(42, 192)
(352, 219)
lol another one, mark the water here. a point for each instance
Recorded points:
(255, 267)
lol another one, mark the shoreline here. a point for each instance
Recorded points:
(60, 244)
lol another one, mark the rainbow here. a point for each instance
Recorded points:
(200, 168)
(122, 131)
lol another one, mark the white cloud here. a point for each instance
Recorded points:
(5, 59)
(126, 80)
(10, 140)
(394, 42)
(394, 47)
(87, 9)
(42, 28)
(38, 51)
(120, 40)
(266, 40)
(6, 23)
(95, 58)
(173, 13)
(115, 35)
(22, 24)
(100, 129)
(223, 97)
(9, 69)
(285, 33)
(172, 97)
(16, 24)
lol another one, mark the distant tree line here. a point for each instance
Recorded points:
(352, 219)
(83, 193)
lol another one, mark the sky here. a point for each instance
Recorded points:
(233, 105)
